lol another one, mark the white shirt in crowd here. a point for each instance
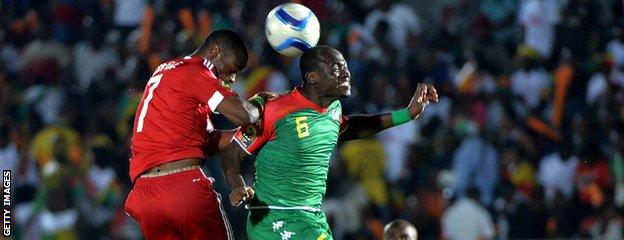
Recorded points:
(402, 21)
(91, 64)
(47, 101)
(10, 158)
(466, 220)
(616, 49)
(539, 17)
(596, 87)
(529, 85)
(129, 13)
(557, 176)
(396, 143)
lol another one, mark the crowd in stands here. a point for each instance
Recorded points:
(527, 140)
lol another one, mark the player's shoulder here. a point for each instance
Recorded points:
(281, 100)
(335, 104)
(185, 64)
(283, 103)
(280, 107)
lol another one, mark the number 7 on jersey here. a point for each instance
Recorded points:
(152, 84)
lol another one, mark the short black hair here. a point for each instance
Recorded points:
(229, 42)
(309, 61)
(397, 225)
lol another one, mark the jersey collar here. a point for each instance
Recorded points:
(206, 63)
(306, 102)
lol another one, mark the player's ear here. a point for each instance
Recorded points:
(312, 77)
(213, 51)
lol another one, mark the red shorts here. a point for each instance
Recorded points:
(178, 206)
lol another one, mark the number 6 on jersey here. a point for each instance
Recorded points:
(302, 127)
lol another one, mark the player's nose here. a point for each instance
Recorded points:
(345, 74)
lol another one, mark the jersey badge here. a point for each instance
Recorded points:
(247, 136)
(335, 115)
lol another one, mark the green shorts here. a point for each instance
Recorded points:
(272, 224)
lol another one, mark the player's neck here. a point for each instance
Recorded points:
(311, 94)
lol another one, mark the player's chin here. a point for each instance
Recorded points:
(345, 93)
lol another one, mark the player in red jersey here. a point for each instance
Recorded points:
(171, 197)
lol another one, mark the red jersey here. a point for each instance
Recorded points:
(172, 120)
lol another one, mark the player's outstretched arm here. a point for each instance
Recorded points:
(231, 162)
(360, 126)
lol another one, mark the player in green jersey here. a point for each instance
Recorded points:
(299, 131)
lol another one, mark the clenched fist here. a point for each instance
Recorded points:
(240, 195)
(425, 93)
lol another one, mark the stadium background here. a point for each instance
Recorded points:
(531, 111)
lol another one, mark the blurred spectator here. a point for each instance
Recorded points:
(346, 213)
(94, 58)
(500, 13)
(67, 16)
(609, 224)
(58, 216)
(598, 83)
(514, 216)
(530, 81)
(101, 196)
(556, 172)
(396, 142)
(467, 219)
(46, 101)
(580, 24)
(8, 150)
(403, 23)
(616, 48)
(45, 50)
(365, 161)
(538, 18)
(44, 148)
(128, 15)
(518, 171)
(475, 163)
(593, 180)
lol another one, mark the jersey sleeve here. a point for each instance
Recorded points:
(252, 137)
(344, 122)
(208, 90)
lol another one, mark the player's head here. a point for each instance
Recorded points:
(325, 69)
(400, 230)
(227, 51)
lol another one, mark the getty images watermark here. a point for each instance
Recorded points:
(6, 203)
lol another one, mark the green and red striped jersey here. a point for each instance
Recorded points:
(292, 148)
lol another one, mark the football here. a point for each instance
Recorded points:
(292, 28)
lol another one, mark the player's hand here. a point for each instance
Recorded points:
(261, 98)
(240, 195)
(267, 96)
(425, 93)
